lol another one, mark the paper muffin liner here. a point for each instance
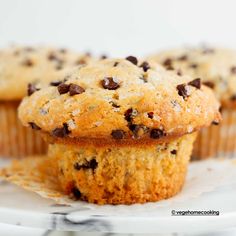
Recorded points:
(15, 139)
(217, 140)
(125, 174)
(35, 174)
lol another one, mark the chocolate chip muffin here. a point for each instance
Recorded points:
(121, 131)
(25, 70)
(216, 67)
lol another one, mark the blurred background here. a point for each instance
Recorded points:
(119, 27)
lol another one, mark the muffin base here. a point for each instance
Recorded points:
(15, 139)
(123, 175)
(217, 140)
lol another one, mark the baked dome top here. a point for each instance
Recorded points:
(215, 66)
(121, 100)
(20, 66)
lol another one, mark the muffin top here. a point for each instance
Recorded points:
(215, 66)
(119, 100)
(20, 66)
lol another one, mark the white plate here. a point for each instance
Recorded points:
(20, 207)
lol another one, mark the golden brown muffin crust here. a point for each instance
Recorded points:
(215, 66)
(39, 66)
(116, 99)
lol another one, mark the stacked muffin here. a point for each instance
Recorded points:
(217, 69)
(121, 131)
(25, 70)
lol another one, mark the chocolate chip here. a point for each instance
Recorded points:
(233, 69)
(138, 130)
(194, 65)
(114, 104)
(145, 66)
(131, 126)
(174, 152)
(116, 64)
(215, 122)
(61, 132)
(92, 164)
(233, 97)
(118, 134)
(132, 59)
(75, 191)
(52, 56)
(157, 133)
(179, 72)
(109, 83)
(167, 62)
(209, 84)
(31, 89)
(195, 83)
(63, 88)
(183, 58)
(75, 89)
(34, 126)
(130, 114)
(103, 57)
(150, 114)
(183, 90)
(28, 62)
(55, 83)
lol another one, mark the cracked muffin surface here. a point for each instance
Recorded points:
(120, 100)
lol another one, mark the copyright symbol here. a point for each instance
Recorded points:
(173, 212)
